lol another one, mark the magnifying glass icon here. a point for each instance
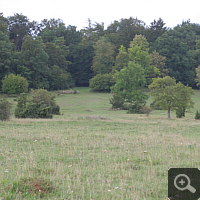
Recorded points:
(181, 182)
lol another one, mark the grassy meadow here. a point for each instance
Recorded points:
(91, 152)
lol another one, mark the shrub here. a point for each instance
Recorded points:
(21, 106)
(117, 102)
(180, 112)
(44, 96)
(38, 110)
(13, 84)
(5, 107)
(135, 108)
(197, 115)
(59, 78)
(102, 82)
(146, 110)
(39, 105)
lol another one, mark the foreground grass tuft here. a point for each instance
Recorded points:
(30, 188)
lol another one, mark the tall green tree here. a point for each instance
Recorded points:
(36, 60)
(55, 28)
(17, 65)
(81, 58)
(159, 61)
(58, 78)
(56, 25)
(104, 56)
(123, 31)
(198, 76)
(72, 36)
(6, 48)
(3, 24)
(93, 32)
(139, 53)
(177, 45)
(196, 56)
(19, 26)
(57, 53)
(122, 59)
(48, 35)
(130, 82)
(155, 30)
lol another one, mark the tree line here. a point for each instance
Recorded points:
(54, 56)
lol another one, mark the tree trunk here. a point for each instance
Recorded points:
(168, 112)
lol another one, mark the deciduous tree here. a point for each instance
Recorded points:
(104, 56)
(176, 45)
(81, 57)
(130, 82)
(122, 59)
(162, 91)
(6, 48)
(139, 53)
(19, 26)
(198, 75)
(35, 59)
(159, 62)
(169, 95)
(3, 24)
(183, 99)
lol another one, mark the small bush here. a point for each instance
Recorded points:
(102, 82)
(38, 110)
(135, 108)
(5, 107)
(180, 112)
(197, 115)
(39, 105)
(146, 110)
(21, 106)
(13, 84)
(117, 102)
(44, 96)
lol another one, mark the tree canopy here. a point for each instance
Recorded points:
(170, 95)
(48, 51)
(130, 83)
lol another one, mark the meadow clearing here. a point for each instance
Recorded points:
(91, 152)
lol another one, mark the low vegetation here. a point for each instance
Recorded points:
(5, 107)
(102, 82)
(39, 104)
(91, 152)
(197, 115)
(13, 84)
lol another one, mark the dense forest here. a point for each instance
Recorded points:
(54, 56)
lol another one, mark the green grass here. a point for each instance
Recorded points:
(91, 152)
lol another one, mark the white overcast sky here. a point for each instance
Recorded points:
(76, 12)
